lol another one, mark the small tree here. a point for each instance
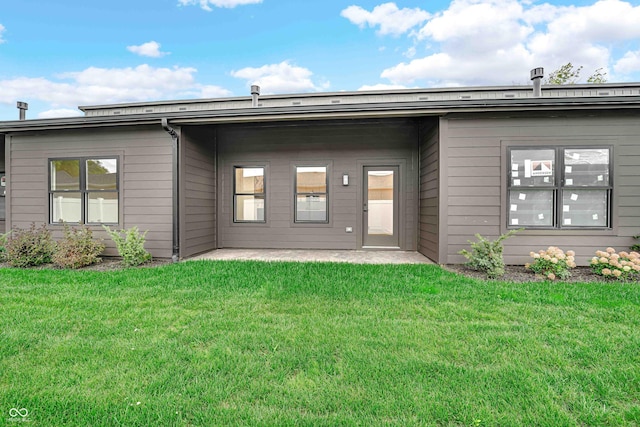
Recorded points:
(567, 74)
(564, 75)
(598, 77)
(486, 255)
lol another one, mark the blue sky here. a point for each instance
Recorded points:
(58, 55)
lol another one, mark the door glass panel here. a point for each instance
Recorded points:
(380, 203)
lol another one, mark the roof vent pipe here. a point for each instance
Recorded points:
(23, 107)
(536, 76)
(255, 92)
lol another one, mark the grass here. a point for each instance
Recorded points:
(248, 343)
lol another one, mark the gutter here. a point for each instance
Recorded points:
(175, 257)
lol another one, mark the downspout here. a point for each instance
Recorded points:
(175, 257)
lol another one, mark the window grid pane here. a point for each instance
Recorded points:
(102, 207)
(249, 181)
(532, 168)
(531, 208)
(584, 208)
(66, 207)
(249, 208)
(101, 174)
(65, 175)
(311, 208)
(586, 167)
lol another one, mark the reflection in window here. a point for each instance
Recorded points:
(311, 194)
(249, 194)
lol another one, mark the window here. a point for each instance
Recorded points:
(83, 191)
(249, 194)
(311, 194)
(559, 187)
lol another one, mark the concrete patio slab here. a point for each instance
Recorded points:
(348, 256)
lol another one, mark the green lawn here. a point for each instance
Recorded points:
(248, 343)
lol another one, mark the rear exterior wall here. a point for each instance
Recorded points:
(145, 178)
(474, 188)
(197, 190)
(346, 147)
(429, 241)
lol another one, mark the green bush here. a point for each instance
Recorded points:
(636, 246)
(621, 266)
(486, 255)
(78, 249)
(3, 246)
(552, 263)
(29, 248)
(130, 245)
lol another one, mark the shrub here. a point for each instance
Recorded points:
(552, 263)
(78, 249)
(3, 246)
(635, 246)
(621, 266)
(28, 248)
(486, 255)
(130, 245)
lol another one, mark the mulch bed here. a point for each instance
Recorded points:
(519, 274)
(107, 264)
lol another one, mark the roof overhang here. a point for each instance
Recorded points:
(329, 112)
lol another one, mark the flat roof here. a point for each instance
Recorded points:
(370, 104)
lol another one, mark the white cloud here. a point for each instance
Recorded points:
(60, 112)
(210, 91)
(206, 4)
(387, 16)
(280, 78)
(628, 64)
(381, 86)
(499, 41)
(151, 49)
(410, 53)
(2, 30)
(104, 86)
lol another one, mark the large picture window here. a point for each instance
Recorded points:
(311, 197)
(559, 187)
(83, 191)
(249, 194)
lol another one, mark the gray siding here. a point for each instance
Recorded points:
(476, 181)
(198, 190)
(429, 191)
(145, 178)
(346, 147)
(2, 169)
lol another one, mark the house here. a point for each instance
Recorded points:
(417, 170)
